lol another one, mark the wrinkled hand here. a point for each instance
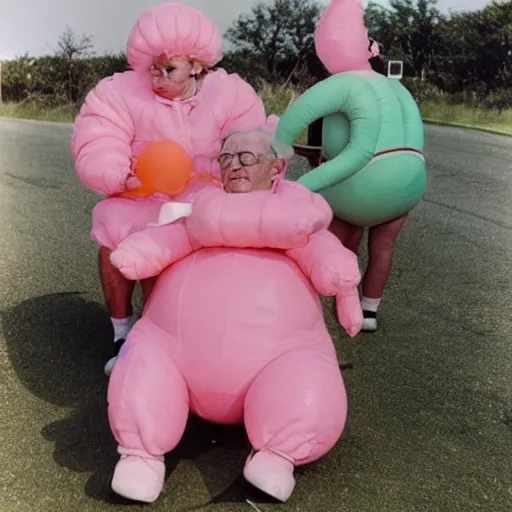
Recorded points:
(350, 313)
(132, 182)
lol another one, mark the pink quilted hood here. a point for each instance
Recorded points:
(175, 29)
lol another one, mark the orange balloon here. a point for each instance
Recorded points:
(163, 167)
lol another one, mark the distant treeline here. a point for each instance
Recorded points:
(465, 55)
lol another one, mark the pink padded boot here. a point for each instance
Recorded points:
(271, 474)
(138, 478)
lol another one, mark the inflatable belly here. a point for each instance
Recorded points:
(229, 312)
(235, 303)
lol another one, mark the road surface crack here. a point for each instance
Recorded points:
(472, 214)
(35, 182)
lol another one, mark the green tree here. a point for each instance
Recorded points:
(275, 34)
(408, 30)
(478, 47)
(71, 50)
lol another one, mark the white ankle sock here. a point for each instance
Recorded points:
(122, 326)
(368, 304)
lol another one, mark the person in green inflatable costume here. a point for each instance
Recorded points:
(372, 142)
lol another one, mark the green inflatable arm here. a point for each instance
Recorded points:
(352, 95)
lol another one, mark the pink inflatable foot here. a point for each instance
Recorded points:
(271, 474)
(138, 478)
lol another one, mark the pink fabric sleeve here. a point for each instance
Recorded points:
(147, 253)
(255, 220)
(245, 107)
(102, 135)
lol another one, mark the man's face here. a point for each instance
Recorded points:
(171, 76)
(247, 163)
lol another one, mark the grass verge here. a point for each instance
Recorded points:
(64, 114)
(467, 117)
(277, 97)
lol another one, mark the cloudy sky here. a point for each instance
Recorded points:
(34, 26)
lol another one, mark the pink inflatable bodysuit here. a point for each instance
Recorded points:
(234, 332)
(122, 114)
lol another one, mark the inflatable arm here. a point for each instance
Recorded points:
(333, 271)
(353, 96)
(147, 253)
(332, 268)
(101, 143)
(282, 220)
(218, 219)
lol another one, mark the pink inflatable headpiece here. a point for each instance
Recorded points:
(174, 29)
(341, 38)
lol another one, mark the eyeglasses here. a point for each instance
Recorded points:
(246, 159)
(165, 71)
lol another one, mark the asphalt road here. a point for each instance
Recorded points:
(430, 394)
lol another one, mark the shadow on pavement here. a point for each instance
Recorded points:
(58, 344)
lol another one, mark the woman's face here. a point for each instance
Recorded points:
(171, 76)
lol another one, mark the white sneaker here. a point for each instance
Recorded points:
(369, 321)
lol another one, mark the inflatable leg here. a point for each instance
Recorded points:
(295, 412)
(148, 410)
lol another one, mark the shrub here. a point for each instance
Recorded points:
(499, 100)
(422, 90)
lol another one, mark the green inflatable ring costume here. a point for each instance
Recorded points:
(372, 138)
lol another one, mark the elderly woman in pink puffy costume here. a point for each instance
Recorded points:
(170, 93)
(234, 330)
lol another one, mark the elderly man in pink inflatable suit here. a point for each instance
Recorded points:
(234, 330)
(170, 93)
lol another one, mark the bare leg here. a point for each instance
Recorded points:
(381, 244)
(118, 292)
(348, 234)
(117, 289)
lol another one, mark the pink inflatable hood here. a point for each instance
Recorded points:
(341, 38)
